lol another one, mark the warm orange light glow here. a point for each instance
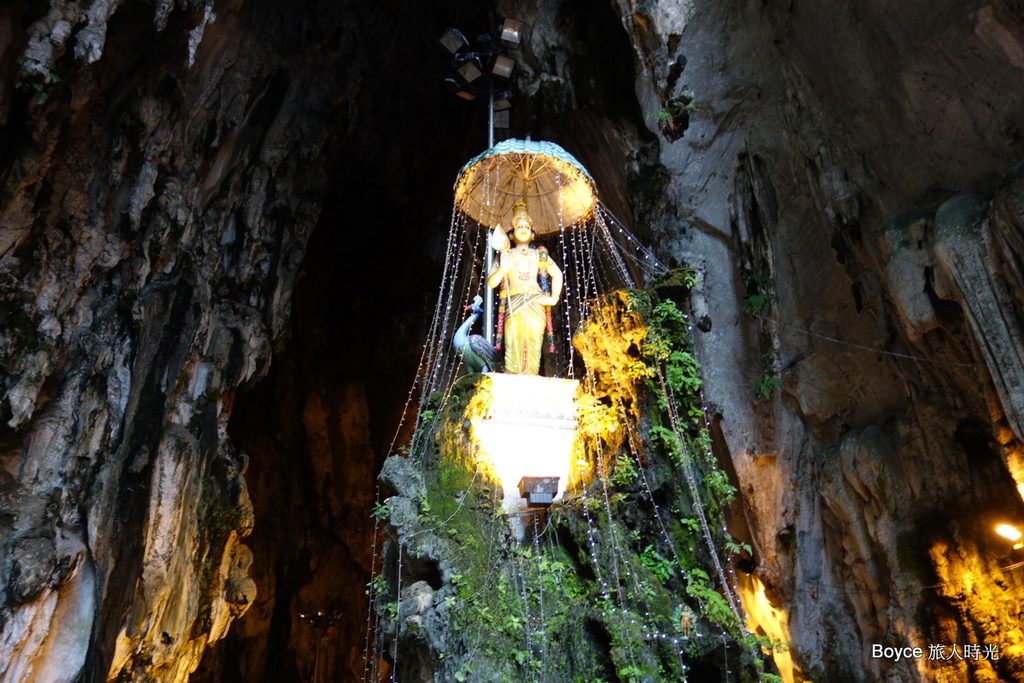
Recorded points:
(577, 199)
(1007, 531)
(764, 617)
(528, 430)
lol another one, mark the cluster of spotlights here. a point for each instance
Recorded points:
(484, 66)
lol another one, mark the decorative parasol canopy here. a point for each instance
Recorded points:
(557, 190)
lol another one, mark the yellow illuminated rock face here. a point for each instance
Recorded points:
(981, 586)
(609, 341)
(765, 618)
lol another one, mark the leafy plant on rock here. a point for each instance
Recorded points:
(760, 294)
(766, 386)
(35, 77)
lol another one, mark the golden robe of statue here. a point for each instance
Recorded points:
(518, 270)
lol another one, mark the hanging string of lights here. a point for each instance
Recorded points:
(614, 251)
(691, 479)
(494, 566)
(539, 582)
(398, 627)
(634, 442)
(527, 616)
(370, 662)
(613, 599)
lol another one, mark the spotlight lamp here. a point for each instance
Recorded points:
(469, 66)
(503, 66)
(483, 68)
(458, 88)
(502, 100)
(538, 491)
(484, 43)
(453, 40)
(510, 33)
(1012, 534)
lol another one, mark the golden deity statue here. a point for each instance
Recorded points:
(530, 284)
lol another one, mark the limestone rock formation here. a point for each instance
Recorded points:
(844, 177)
(821, 162)
(155, 206)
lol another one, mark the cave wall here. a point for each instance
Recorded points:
(821, 135)
(164, 165)
(163, 168)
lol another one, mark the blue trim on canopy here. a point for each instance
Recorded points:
(517, 146)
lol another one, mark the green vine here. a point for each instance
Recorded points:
(36, 77)
(766, 386)
(760, 294)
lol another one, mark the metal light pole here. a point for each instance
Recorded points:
(468, 62)
(489, 250)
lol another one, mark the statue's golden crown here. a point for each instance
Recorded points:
(520, 216)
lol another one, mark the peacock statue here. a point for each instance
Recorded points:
(477, 353)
